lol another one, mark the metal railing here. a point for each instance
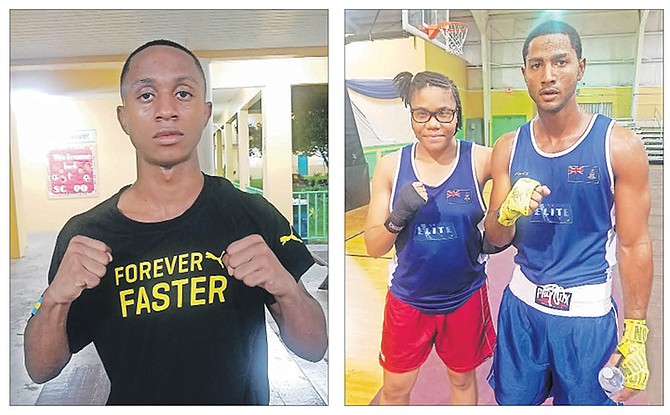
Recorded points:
(251, 189)
(310, 213)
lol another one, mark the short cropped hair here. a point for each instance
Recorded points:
(407, 84)
(554, 26)
(159, 42)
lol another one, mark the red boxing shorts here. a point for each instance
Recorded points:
(463, 339)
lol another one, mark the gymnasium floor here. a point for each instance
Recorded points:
(365, 289)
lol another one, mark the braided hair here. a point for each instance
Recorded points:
(407, 85)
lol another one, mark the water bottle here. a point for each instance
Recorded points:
(611, 380)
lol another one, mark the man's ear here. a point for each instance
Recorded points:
(121, 116)
(523, 73)
(208, 112)
(582, 69)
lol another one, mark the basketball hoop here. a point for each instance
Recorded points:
(454, 35)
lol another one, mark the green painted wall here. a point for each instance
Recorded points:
(374, 153)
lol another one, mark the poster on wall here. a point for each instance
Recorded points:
(71, 169)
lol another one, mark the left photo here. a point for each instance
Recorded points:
(168, 207)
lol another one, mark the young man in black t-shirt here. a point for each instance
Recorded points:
(170, 277)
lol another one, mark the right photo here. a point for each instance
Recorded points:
(504, 207)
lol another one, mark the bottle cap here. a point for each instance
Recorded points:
(607, 372)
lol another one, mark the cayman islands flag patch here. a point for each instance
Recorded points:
(459, 196)
(584, 174)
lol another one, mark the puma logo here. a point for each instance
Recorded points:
(218, 259)
(288, 237)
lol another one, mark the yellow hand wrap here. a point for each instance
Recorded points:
(517, 202)
(632, 348)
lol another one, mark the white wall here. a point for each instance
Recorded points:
(391, 56)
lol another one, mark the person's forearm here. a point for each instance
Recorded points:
(302, 324)
(46, 346)
(497, 234)
(379, 241)
(636, 273)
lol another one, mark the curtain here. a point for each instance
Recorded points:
(374, 88)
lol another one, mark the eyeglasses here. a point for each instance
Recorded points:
(443, 115)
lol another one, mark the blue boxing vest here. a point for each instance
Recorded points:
(569, 240)
(438, 262)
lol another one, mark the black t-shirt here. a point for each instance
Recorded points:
(169, 323)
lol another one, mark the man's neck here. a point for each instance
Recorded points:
(557, 131)
(161, 193)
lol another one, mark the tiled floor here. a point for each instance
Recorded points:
(293, 381)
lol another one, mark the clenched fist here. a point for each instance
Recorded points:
(83, 265)
(251, 261)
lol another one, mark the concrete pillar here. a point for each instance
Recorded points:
(231, 154)
(218, 136)
(16, 232)
(644, 15)
(277, 147)
(243, 148)
(482, 21)
(206, 145)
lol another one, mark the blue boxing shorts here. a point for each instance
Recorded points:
(538, 355)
